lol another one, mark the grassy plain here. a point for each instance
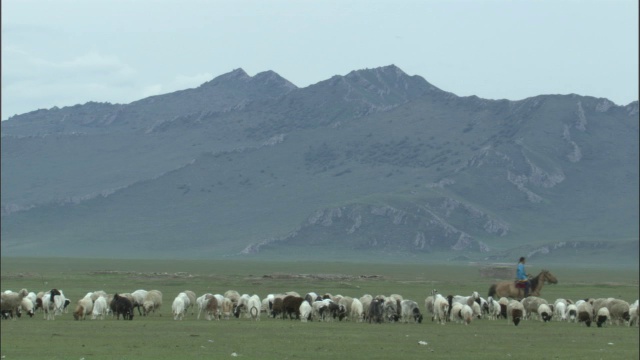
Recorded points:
(160, 337)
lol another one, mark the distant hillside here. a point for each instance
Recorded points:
(375, 164)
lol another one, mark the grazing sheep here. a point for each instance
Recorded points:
(531, 305)
(254, 307)
(28, 306)
(277, 308)
(99, 308)
(410, 311)
(138, 299)
(494, 309)
(227, 308)
(201, 301)
(84, 307)
(310, 297)
(210, 307)
(544, 312)
(391, 309)
(232, 295)
(619, 310)
(152, 301)
(242, 306)
(585, 313)
(504, 302)
(376, 311)
(319, 309)
(305, 311)
(467, 314)
(560, 309)
(366, 300)
(602, 316)
(53, 303)
(346, 302)
(122, 305)
(440, 309)
(455, 313)
(178, 308)
(357, 311)
(571, 314)
(192, 301)
(633, 313)
(515, 311)
(11, 301)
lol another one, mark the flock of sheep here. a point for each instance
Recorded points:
(313, 307)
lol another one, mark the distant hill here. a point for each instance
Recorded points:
(374, 165)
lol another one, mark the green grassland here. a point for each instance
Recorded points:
(160, 337)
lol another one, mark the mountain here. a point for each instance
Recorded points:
(373, 165)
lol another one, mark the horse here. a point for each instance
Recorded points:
(509, 289)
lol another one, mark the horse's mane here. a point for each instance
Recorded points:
(535, 281)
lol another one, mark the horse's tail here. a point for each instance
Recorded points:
(492, 290)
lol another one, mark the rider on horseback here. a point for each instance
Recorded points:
(522, 277)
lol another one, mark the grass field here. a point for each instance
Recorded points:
(160, 337)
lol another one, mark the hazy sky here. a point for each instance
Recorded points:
(67, 52)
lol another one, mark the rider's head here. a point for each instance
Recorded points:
(522, 259)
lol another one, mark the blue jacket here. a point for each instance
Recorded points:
(521, 274)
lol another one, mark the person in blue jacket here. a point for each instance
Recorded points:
(522, 277)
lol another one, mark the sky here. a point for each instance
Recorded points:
(68, 52)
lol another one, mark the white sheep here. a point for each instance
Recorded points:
(633, 313)
(504, 302)
(516, 312)
(456, 313)
(53, 303)
(571, 314)
(305, 311)
(242, 306)
(585, 313)
(227, 308)
(560, 309)
(494, 308)
(138, 299)
(357, 311)
(211, 307)
(254, 305)
(366, 300)
(201, 301)
(99, 308)
(191, 301)
(467, 314)
(531, 305)
(84, 307)
(28, 306)
(440, 309)
(602, 316)
(544, 312)
(178, 308)
(11, 301)
(152, 301)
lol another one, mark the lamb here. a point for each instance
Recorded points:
(619, 310)
(11, 302)
(305, 311)
(99, 308)
(441, 309)
(178, 308)
(585, 313)
(410, 311)
(545, 312)
(515, 311)
(152, 301)
(571, 314)
(84, 307)
(602, 316)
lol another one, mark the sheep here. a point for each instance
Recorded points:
(318, 309)
(633, 313)
(467, 314)
(11, 302)
(376, 311)
(220, 299)
(242, 306)
(390, 308)
(410, 311)
(504, 302)
(210, 307)
(476, 309)
(122, 305)
(441, 309)
(138, 299)
(233, 296)
(357, 311)
(310, 297)
(560, 309)
(585, 313)
(602, 316)
(366, 300)
(178, 308)
(202, 303)
(84, 307)
(515, 311)
(494, 308)
(28, 306)
(571, 314)
(346, 302)
(227, 308)
(99, 308)
(53, 303)
(455, 313)
(305, 311)
(544, 312)
(531, 305)
(619, 310)
(152, 301)
(191, 296)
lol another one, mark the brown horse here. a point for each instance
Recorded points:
(508, 288)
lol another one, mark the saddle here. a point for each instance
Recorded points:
(521, 284)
